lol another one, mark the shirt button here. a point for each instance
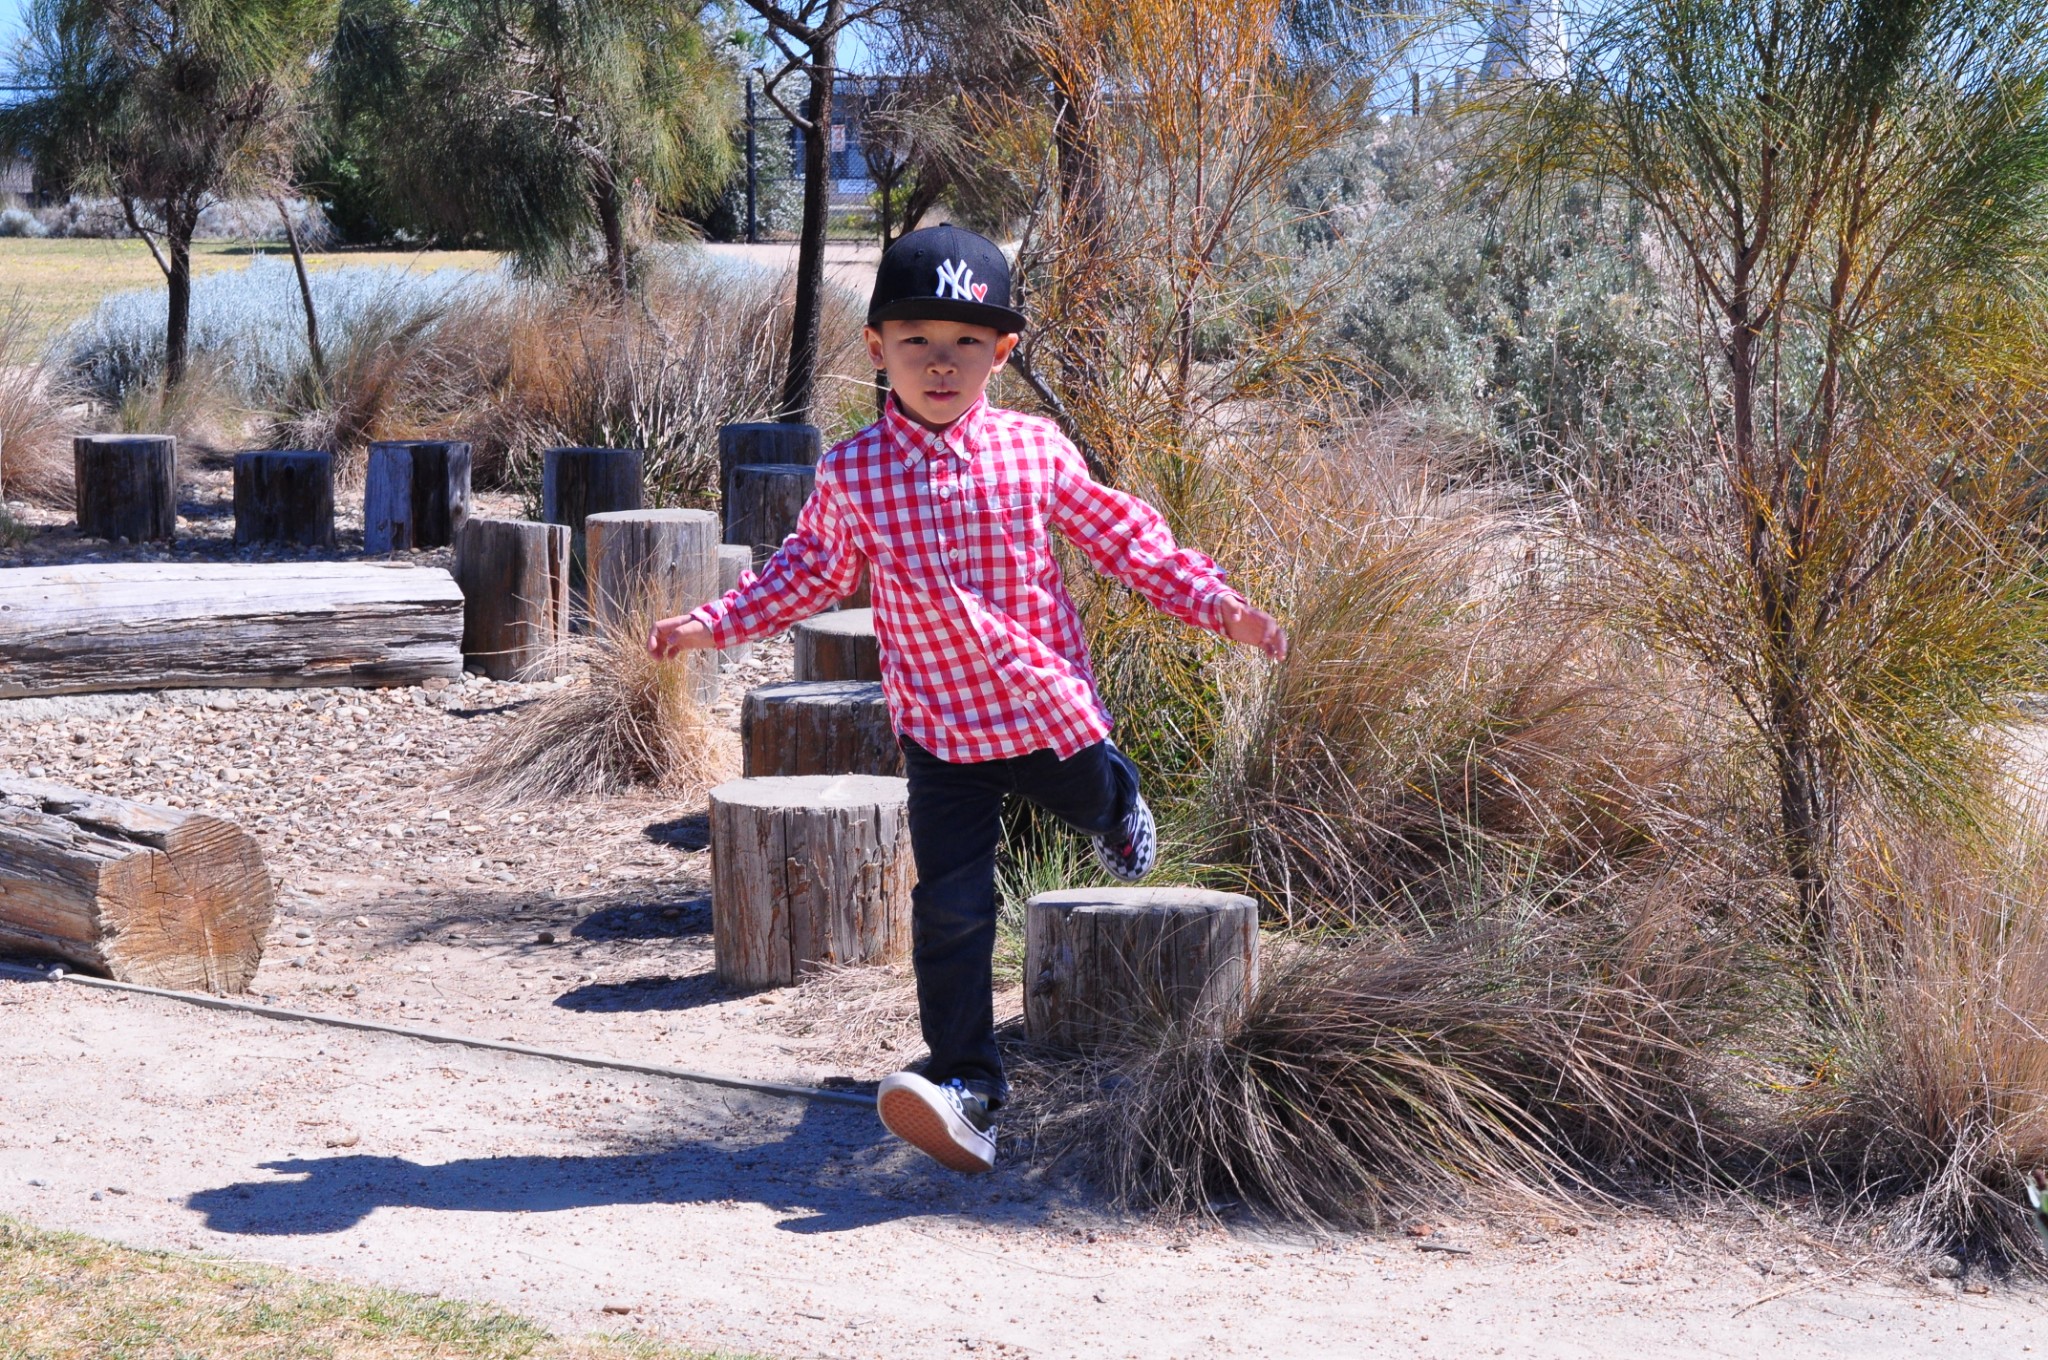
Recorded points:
(944, 492)
(952, 554)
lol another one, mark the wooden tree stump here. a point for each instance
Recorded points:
(838, 646)
(1110, 965)
(137, 892)
(417, 495)
(763, 442)
(576, 483)
(99, 626)
(285, 496)
(734, 559)
(829, 727)
(514, 576)
(766, 498)
(127, 486)
(806, 872)
(653, 564)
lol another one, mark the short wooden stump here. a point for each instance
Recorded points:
(734, 559)
(818, 727)
(285, 496)
(808, 871)
(127, 486)
(762, 506)
(1104, 966)
(416, 494)
(838, 646)
(514, 576)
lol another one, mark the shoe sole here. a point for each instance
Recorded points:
(924, 1128)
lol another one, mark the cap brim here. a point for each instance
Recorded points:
(949, 309)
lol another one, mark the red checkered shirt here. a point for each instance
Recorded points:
(982, 651)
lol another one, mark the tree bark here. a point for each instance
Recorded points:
(799, 389)
(178, 317)
(515, 596)
(838, 646)
(126, 486)
(821, 727)
(1109, 966)
(612, 227)
(168, 625)
(291, 236)
(806, 872)
(140, 893)
(285, 496)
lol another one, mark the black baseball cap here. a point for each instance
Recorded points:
(944, 273)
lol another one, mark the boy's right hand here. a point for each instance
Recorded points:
(683, 634)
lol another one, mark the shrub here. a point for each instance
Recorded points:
(37, 418)
(21, 222)
(249, 326)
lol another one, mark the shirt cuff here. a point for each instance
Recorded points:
(1208, 612)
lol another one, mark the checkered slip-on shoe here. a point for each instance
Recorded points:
(950, 1124)
(1130, 855)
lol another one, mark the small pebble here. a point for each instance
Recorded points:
(1946, 1268)
(545, 937)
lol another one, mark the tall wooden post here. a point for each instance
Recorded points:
(577, 483)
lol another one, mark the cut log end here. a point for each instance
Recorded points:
(140, 893)
(838, 646)
(829, 727)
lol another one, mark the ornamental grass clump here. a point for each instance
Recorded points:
(1927, 1103)
(622, 722)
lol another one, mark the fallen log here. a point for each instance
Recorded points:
(137, 892)
(99, 627)
(808, 871)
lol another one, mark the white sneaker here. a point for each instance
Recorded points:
(950, 1124)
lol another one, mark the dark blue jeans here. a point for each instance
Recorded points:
(956, 822)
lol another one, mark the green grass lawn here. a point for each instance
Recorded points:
(65, 1297)
(58, 281)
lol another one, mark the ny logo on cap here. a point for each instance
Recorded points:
(956, 281)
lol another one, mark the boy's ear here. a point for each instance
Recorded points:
(1004, 344)
(874, 339)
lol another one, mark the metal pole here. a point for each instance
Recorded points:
(753, 166)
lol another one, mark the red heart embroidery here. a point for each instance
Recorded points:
(980, 291)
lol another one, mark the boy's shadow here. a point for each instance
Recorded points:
(814, 1174)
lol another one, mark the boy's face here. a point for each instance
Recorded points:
(938, 369)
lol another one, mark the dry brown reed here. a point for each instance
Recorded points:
(623, 722)
(37, 416)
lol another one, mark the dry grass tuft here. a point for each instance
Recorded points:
(1525, 1048)
(1929, 1100)
(626, 722)
(37, 417)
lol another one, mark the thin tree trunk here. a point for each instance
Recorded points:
(291, 235)
(611, 223)
(178, 317)
(799, 388)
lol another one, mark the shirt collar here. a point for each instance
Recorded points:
(913, 442)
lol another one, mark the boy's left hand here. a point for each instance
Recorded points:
(1254, 627)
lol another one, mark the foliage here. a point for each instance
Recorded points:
(36, 420)
(245, 326)
(534, 124)
(1856, 194)
(165, 106)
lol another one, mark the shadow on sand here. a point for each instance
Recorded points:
(832, 1170)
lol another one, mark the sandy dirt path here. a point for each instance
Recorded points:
(782, 1229)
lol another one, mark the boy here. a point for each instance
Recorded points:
(948, 502)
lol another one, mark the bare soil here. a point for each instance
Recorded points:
(596, 1201)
